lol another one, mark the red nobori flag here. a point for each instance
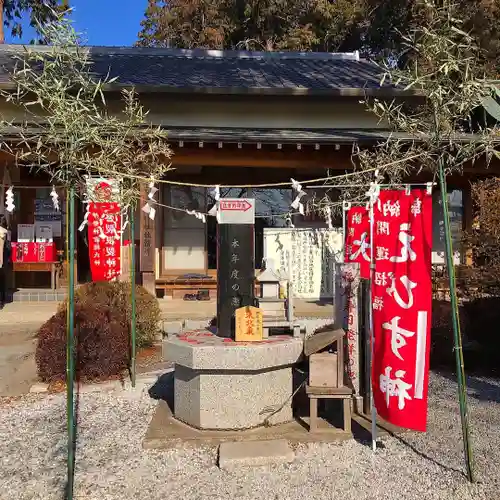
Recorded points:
(104, 223)
(402, 301)
(357, 243)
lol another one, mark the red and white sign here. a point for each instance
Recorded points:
(237, 205)
(34, 252)
(357, 242)
(236, 211)
(104, 224)
(402, 301)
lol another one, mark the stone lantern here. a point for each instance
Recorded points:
(275, 302)
(269, 284)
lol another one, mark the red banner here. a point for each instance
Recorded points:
(104, 222)
(402, 301)
(34, 252)
(357, 244)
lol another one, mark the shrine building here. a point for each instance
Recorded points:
(233, 118)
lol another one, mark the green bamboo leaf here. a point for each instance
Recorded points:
(492, 107)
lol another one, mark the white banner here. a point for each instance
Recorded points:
(308, 257)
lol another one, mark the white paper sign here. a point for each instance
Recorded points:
(308, 257)
(43, 232)
(25, 233)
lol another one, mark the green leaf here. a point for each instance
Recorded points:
(492, 107)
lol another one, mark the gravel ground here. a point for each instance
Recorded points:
(112, 465)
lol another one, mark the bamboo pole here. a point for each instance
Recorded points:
(372, 332)
(457, 336)
(70, 340)
(132, 297)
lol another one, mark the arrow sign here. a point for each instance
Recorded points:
(240, 205)
(236, 211)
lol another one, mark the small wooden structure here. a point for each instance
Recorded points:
(326, 374)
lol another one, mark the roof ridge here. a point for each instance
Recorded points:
(197, 53)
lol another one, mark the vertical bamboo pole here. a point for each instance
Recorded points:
(70, 340)
(344, 226)
(372, 336)
(132, 296)
(457, 336)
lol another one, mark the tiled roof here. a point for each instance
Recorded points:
(229, 71)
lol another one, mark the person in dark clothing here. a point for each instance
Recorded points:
(5, 256)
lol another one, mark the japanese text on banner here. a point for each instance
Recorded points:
(104, 224)
(357, 241)
(402, 301)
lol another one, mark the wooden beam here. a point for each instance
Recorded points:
(252, 157)
(146, 246)
(467, 222)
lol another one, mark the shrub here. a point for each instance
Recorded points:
(101, 343)
(116, 295)
(102, 331)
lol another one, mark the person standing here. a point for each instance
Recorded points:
(5, 256)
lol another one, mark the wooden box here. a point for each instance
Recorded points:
(323, 370)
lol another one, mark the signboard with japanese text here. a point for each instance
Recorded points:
(104, 223)
(43, 232)
(308, 257)
(347, 317)
(357, 242)
(236, 211)
(26, 233)
(47, 215)
(235, 273)
(248, 324)
(402, 302)
(34, 252)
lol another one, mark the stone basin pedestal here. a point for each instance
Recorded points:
(225, 385)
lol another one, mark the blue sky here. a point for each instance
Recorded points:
(103, 22)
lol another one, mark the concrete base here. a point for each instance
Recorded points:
(166, 432)
(235, 400)
(232, 456)
(225, 385)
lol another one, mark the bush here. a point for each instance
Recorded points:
(102, 331)
(101, 344)
(116, 295)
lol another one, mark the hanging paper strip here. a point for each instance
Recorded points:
(402, 301)
(357, 242)
(104, 240)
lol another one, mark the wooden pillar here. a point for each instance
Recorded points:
(146, 247)
(468, 213)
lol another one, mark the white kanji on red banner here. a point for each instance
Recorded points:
(104, 222)
(357, 242)
(402, 301)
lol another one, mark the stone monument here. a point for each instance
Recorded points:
(235, 261)
(221, 384)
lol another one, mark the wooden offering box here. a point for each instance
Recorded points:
(326, 369)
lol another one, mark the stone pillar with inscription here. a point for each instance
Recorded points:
(146, 248)
(235, 261)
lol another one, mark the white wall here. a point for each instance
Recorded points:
(258, 112)
(236, 111)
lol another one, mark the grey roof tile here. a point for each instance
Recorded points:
(204, 69)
